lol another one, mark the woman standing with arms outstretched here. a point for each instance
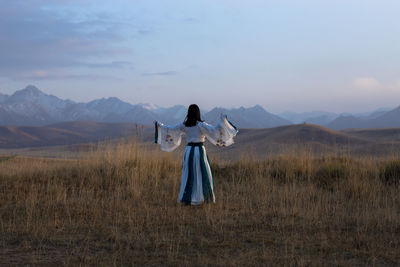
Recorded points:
(197, 183)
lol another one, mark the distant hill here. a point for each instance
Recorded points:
(28, 136)
(83, 131)
(387, 119)
(380, 135)
(380, 119)
(300, 138)
(313, 117)
(68, 133)
(301, 134)
(346, 122)
(305, 138)
(264, 140)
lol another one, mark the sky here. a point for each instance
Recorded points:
(338, 56)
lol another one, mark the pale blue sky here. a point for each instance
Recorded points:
(341, 56)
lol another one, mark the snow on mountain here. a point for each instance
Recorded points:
(109, 110)
(104, 109)
(9, 117)
(111, 104)
(150, 106)
(31, 107)
(253, 117)
(139, 114)
(37, 105)
(171, 115)
(3, 97)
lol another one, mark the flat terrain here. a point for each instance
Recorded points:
(117, 205)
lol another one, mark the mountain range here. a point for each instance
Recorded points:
(32, 107)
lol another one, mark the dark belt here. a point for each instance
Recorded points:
(195, 144)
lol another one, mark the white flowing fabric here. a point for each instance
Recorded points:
(169, 137)
(197, 184)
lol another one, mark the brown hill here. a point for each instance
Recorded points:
(66, 133)
(296, 138)
(388, 135)
(17, 136)
(100, 130)
(300, 138)
(299, 133)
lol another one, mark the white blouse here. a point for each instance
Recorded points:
(169, 137)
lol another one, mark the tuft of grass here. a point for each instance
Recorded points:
(117, 205)
(390, 172)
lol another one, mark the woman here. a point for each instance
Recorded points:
(197, 184)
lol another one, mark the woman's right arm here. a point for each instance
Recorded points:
(222, 133)
(168, 137)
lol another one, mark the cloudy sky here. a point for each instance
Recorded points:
(341, 56)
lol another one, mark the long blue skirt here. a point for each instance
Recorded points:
(197, 183)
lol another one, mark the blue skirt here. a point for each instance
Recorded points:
(197, 183)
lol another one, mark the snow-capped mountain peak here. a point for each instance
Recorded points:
(31, 106)
(150, 106)
(29, 92)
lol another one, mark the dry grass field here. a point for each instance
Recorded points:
(117, 205)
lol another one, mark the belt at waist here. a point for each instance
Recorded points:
(195, 144)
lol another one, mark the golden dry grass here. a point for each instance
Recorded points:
(118, 206)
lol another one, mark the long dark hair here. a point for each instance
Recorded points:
(193, 116)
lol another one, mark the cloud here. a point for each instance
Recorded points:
(372, 85)
(366, 83)
(36, 38)
(395, 86)
(113, 64)
(39, 75)
(165, 73)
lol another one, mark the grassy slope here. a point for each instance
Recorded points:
(119, 207)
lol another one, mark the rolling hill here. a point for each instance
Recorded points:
(292, 138)
(380, 135)
(300, 133)
(257, 141)
(66, 133)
